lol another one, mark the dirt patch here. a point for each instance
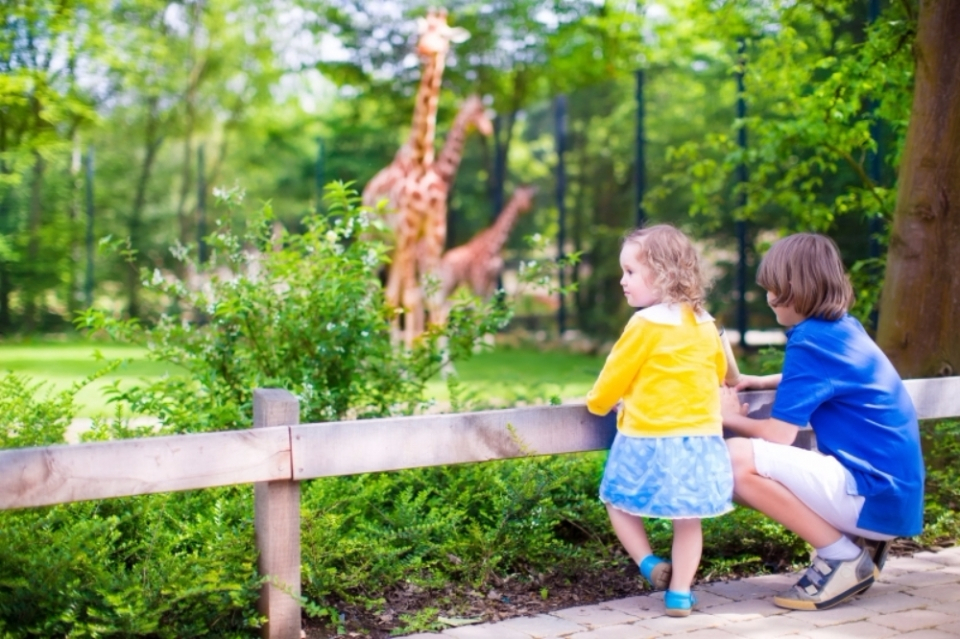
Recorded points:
(511, 597)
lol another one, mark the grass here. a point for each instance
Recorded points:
(497, 376)
(58, 365)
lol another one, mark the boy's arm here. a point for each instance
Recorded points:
(735, 418)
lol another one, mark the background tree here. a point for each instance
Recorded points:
(920, 303)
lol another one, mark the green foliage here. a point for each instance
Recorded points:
(298, 311)
(941, 454)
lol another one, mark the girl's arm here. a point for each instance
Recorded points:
(735, 418)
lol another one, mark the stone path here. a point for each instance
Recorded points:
(916, 597)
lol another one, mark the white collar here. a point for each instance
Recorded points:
(670, 315)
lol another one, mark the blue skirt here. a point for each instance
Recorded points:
(669, 477)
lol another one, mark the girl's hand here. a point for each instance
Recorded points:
(730, 405)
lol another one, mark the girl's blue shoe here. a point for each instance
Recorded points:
(656, 571)
(679, 604)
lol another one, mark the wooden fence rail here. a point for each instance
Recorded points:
(279, 452)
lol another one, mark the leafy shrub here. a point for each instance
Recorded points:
(303, 312)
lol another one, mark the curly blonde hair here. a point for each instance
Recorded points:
(673, 261)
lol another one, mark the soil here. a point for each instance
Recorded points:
(509, 598)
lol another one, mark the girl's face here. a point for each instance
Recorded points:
(786, 315)
(636, 278)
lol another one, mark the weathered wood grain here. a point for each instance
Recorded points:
(78, 472)
(935, 398)
(347, 448)
(277, 525)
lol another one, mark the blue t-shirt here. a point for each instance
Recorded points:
(839, 381)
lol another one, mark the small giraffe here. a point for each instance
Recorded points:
(477, 263)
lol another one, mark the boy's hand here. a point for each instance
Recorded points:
(756, 382)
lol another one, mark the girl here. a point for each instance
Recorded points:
(668, 459)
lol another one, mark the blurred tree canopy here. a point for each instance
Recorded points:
(166, 100)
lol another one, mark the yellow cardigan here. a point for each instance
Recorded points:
(667, 367)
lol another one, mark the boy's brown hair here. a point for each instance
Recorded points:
(674, 263)
(805, 271)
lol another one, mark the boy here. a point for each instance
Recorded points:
(864, 485)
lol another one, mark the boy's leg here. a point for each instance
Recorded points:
(687, 548)
(829, 580)
(773, 498)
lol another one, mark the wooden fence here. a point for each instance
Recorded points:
(279, 452)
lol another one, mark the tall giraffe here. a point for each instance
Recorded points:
(471, 115)
(477, 263)
(421, 200)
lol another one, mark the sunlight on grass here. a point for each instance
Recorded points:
(502, 376)
(59, 365)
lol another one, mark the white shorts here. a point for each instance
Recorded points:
(818, 480)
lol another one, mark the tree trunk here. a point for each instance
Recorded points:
(919, 325)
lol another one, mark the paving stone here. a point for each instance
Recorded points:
(914, 619)
(741, 589)
(833, 616)
(678, 625)
(485, 631)
(881, 588)
(641, 607)
(859, 629)
(594, 616)
(542, 626)
(949, 608)
(949, 557)
(952, 628)
(897, 565)
(942, 593)
(623, 631)
(735, 611)
(929, 578)
(892, 602)
(927, 633)
(779, 626)
(709, 633)
(707, 599)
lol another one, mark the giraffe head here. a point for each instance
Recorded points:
(476, 114)
(523, 197)
(436, 35)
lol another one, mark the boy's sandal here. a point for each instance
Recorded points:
(656, 571)
(678, 604)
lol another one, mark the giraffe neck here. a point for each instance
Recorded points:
(424, 129)
(452, 152)
(496, 236)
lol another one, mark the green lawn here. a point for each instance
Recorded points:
(502, 375)
(58, 365)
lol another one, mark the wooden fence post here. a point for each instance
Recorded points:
(277, 524)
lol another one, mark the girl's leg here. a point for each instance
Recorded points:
(687, 547)
(631, 533)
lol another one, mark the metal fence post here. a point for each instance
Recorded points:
(277, 524)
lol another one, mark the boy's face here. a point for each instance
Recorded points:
(636, 278)
(786, 315)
